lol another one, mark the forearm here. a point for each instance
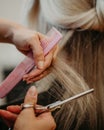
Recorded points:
(6, 30)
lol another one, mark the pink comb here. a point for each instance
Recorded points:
(52, 38)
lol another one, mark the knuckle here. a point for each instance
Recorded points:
(32, 38)
(39, 55)
(35, 37)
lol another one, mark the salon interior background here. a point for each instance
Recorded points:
(9, 56)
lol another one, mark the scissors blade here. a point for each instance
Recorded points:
(59, 103)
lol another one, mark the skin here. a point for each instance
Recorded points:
(27, 119)
(27, 40)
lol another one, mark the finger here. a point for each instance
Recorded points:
(32, 74)
(36, 72)
(47, 63)
(34, 79)
(37, 51)
(56, 50)
(30, 98)
(8, 117)
(14, 109)
(23, 51)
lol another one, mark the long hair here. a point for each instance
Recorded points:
(79, 64)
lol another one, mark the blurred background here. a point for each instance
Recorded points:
(9, 56)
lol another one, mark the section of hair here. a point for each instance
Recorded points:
(80, 63)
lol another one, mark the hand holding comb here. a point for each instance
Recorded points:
(52, 38)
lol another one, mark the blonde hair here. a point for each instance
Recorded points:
(82, 48)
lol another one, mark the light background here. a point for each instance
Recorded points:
(9, 56)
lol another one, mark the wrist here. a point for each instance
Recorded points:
(13, 33)
(6, 30)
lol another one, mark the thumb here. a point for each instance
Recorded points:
(30, 98)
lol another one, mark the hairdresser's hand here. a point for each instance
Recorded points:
(37, 74)
(26, 118)
(25, 41)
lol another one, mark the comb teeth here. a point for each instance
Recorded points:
(52, 38)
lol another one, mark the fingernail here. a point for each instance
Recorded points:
(32, 91)
(40, 64)
(25, 76)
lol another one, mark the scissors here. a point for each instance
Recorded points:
(57, 105)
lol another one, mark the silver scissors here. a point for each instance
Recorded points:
(56, 105)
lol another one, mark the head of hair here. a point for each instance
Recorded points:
(79, 64)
